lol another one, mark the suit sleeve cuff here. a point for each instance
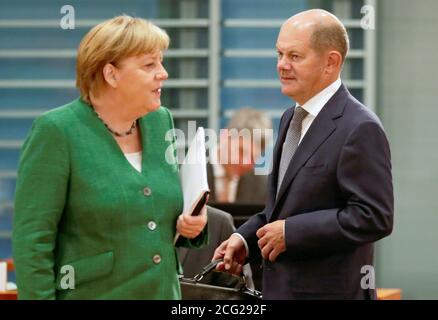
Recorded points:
(244, 242)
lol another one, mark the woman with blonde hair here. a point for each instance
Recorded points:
(97, 205)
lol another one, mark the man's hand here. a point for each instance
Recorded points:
(191, 226)
(233, 252)
(271, 240)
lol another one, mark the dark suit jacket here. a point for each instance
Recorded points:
(336, 198)
(221, 226)
(251, 188)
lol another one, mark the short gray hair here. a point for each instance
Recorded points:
(250, 118)
(334, 36)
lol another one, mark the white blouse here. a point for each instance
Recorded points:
(134, 159)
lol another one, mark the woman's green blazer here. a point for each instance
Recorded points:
(87, 225)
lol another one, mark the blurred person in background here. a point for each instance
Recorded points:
(234, 181)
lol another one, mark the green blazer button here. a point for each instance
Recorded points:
(152, 225)
(156, 259)
(147, 191)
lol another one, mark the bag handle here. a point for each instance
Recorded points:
(211, 266)
(207, 269)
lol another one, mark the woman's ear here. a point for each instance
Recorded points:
(110, 74)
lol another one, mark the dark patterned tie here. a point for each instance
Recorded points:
(291, 142)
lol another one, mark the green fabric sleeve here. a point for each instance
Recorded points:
(42, 182)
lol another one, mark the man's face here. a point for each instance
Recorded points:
(299, 67)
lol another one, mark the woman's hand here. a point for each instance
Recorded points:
(191, 226)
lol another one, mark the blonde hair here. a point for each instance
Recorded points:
(110, 42)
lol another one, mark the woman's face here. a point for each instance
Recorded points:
(139, 82)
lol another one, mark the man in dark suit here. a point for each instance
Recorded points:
(330, 194)
(220, 226)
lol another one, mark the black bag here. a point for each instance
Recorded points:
(192, 289)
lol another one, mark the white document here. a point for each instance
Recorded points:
(194, 176)
(3, 275)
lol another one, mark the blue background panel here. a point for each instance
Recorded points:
(254, 97)
(356, 38)
(38, 68)
(356, 69)
(31, 99)
(262, 9)
(249, 68)
(14, 129)
(243, 38)
(5, 218)
(9, 159)
(5, 247)
(40, 38)
(7, 190)
(84, 9)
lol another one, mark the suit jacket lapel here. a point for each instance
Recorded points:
(322, 127)
(272, 181)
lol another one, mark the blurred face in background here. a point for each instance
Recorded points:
(237, 153)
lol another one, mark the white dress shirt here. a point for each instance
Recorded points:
(220, 180)
(313, 106)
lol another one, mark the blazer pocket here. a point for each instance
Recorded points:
(314, 169)
(86, 269)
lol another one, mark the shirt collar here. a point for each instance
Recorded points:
(315, 104)
(218, 169)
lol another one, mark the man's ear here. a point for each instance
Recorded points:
(110, 75)
(334, 62)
